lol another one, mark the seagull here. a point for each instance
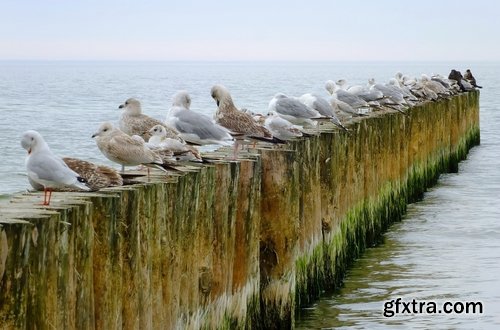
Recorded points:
(345, 108)
(166, 155)
(193, 127)
(125, 150)
(181, 151)
(134, 122)
(294, 111)
(281, 128)
(371, 97)
(407, 95)
(470, 78)
(321, 105)
(449, 84)
(46, 169)
(418, 89)
(236, 121)
(393, 97)
(340, 94)
(434, 86)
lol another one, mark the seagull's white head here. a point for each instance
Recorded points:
(158, 130)
(182, 99)
(330, 86)
(32, 141)
(424, 77)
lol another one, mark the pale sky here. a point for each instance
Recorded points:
(222, 30)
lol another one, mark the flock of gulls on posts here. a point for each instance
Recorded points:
(143, 140)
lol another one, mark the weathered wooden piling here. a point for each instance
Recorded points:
(227, 245)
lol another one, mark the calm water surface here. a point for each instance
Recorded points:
(446, 248)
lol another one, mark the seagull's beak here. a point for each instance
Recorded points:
(29, 151)
(94, 135)
(217, 101)
(121, 106)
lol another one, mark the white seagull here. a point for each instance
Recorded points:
(159, 142)
(281, 128)
(46, 169)
(193, 127)
(345, 96)
(321, 105)
(294, 111)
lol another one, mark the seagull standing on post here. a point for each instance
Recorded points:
(46, 169)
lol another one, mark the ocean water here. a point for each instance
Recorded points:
(446, 248)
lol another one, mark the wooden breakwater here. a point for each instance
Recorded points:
(228, 245)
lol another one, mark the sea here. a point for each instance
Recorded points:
(445, 251)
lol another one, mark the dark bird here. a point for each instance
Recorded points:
(470, 78)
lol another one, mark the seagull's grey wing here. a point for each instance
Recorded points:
(198, 124)
(352, 99)
(294, 108)
(323, 107)
(345, 96)
(396, 97)
(49, 167)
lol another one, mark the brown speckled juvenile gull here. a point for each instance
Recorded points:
(97, 176)
(134, 122)
(236, 121)
(123, 149)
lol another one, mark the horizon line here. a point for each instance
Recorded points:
(247, 60)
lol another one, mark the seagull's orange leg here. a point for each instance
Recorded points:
(47, 192)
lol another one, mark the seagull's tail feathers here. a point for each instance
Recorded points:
(165, 167)
(81, 183)
(273, 139)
